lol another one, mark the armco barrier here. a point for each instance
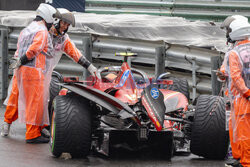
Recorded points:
(192, 63)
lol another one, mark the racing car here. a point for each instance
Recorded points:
(126, 107)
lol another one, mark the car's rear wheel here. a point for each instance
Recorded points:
(179, 85)
(209, 137)
(70, 126)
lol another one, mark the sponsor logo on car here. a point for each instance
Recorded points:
(154, 93)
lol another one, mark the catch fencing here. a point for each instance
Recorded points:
(212, 10)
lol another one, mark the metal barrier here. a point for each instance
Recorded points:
(3, 62)
(154, 57)
(215, 10)
(188, 62)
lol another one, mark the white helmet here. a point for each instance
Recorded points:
(229, 20)
(47, 12)
(237, 27)
(240, 29)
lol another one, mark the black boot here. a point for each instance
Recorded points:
(45, 133)
(38, 140)
(237, 165)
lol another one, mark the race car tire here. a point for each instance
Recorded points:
(70, 126)
(54, 88)
(179, 85)
(209, 137)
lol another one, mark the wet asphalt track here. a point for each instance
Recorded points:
(14, 152)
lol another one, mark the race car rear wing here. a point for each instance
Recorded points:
(104, 99)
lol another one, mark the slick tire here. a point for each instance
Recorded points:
(209, 137)
(54, 88)
(179, 85)
(70, 126)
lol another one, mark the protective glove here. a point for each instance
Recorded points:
(16, 63)
(93, 71)
(221, 77)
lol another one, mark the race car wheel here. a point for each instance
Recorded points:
(70, 126)
(209, 137)
(179, 85)
(54, 88)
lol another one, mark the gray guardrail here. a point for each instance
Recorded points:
(213, 10)
(3, 62)
(193, 63)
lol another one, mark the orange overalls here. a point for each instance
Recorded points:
(27, 87)
(11, 113)
(235, 146)
(61, 43)
(239, 88)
